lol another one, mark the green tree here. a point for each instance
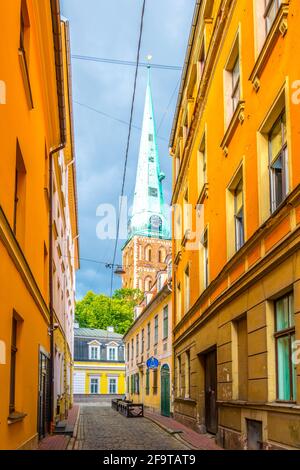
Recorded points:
(101, 311)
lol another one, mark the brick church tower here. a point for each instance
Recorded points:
(149, 237)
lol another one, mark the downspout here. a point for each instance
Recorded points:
(51, 311)
(57, 40)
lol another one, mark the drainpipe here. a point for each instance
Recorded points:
(57, 42)
(51, 332)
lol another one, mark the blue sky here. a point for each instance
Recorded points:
(110, 29)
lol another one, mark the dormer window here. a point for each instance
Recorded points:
(112, 352)
(94, 351)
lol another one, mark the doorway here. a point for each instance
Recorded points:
(211, 412)
(165, 390)
(44, 395)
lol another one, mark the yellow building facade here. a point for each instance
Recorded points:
(99, 367)
(33, 131)
(150, 336)
(236, 224)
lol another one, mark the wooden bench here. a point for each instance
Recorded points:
(130, 409)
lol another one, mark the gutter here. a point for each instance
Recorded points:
(55, 11)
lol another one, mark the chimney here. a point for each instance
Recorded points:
(110, 329)
(76, 325)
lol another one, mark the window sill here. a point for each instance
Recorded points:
(238, 117)
(279, 27)
(203, 194)
(25, 76)
(15, 417)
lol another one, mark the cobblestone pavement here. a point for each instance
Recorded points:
(102, 428)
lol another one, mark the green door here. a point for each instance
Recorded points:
(165, 390)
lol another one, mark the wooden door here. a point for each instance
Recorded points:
(165, 391)
(211, 412)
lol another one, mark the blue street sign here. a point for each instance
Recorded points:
(152, 363)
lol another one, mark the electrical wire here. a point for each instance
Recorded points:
(128, 140)
(167, 108)
(124, 62)
(102, 113)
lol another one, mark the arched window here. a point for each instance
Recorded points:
(161, 255)
(148, 284)
(148, 253)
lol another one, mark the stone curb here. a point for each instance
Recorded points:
(72, 442)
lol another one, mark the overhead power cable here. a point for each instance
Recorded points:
(125, 62)
(128, 140)
(109, 116)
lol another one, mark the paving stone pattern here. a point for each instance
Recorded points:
(102, 428)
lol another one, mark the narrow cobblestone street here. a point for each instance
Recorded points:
(102, 428)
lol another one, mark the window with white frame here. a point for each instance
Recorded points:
(112, 353)
(232, 82)
(271, 9)
(94, 351)
(112, 385)
(94, 385)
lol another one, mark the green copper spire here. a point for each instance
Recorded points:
(149, 215)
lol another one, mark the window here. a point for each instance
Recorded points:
(187, 212)
(148, 253)
(201, 62)
(24, 51)
(155, 382)
(148, 335)
(205, 259)
(147, 381)
(150, 137)
(202, 165)
(148, 284)
(178, 302)
(239, 215)
(235, 76)
(271, 9)
(278, 158)
(20, 195)
(137, 345)
(112, 353)
(137, 383)
(156, 329)
(132, 383)
(143, 341)
(187, 289)
(128, 351)
(112, 385)
(187, 374)
(13, 361)
(152, 192)
(161, 255)
(232, 82)
(178, 376)
(132, 350)
(284, 338)
(94, 385)
(165, 322)
(94, 351)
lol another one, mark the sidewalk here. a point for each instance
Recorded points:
(192, 438)
(60, 441)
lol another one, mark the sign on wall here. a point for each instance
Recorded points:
(152, 363)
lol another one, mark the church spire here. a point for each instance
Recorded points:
(149, 216)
